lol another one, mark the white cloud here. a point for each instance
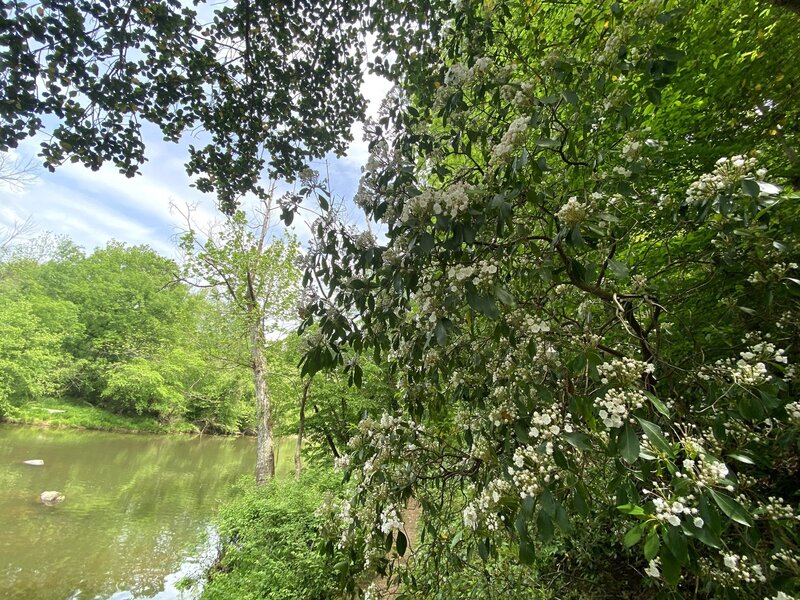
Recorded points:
(93, 207)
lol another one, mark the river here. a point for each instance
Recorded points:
(137, 515)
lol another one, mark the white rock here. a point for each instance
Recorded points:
(51, 498)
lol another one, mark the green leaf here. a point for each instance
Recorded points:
(483, 305)
(742, 458)
(632, 537)
(651, 546)
(654, 95)
(402, 543)
(656, 437)
(675, 540)
(619, 270)
(483, 549)
(751, 188)
(441, 331)
(578, 440)
(571, 97)
(670, 568)
(544, 526)
(504, 296)
(657, 404)
(547, 143)
(629, 444)
(631, 509)
(527, 553)
(731, 508)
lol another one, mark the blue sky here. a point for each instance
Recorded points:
(93, 207)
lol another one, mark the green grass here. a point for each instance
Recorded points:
(82, 415)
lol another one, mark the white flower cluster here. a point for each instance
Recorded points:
(624, 371)
(750, 368)
(481, 68)
(504, 414)
(775, 273)
(452, 202)
(727, 173)
(532, 327)
(573, 212)
(793, 410)
(776, 509)
(652, 568)
(393, 256)
(456, 75)
(532, 469)
(482, 274)
(513, 138)
(340, 463)
(549, 424)
(390, 519)
(623, 172)
(617, 404)
(482, 510)
(611, 50)
(521, 95)
(788, 559)
(365, 240)
(741, 569)
(632, 150)
(371, 593)
(781, 596)
(749, 374)
(671, 511)
(711, 472)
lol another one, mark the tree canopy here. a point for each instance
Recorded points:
(270, 85)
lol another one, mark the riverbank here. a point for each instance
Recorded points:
(70, 413)
(137, 516)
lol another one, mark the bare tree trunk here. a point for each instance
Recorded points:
(301, 426)
(265, 456)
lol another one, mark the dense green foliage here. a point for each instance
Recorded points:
(270, 538)
(114, 329)
(588, 296)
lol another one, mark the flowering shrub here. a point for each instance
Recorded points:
(590, 314)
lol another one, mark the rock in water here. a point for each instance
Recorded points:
(36, 462)
(51, 498)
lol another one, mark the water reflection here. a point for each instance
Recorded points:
(136, 516)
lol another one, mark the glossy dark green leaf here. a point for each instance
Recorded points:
(732, 508)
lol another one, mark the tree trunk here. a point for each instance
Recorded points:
(265, 456)
(297, 464)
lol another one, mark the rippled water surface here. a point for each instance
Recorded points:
(136, 518)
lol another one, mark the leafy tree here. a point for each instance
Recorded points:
(588, 294)
(254, 272)
(32, 362)
(116, 329)
(255, 78)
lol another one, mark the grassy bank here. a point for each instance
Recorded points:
(77, 414)
(269, 543)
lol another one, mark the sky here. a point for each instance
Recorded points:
(94, 207)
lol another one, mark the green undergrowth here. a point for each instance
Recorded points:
(269, 543)
(78, 414)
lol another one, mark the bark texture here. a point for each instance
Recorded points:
(265, 455)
